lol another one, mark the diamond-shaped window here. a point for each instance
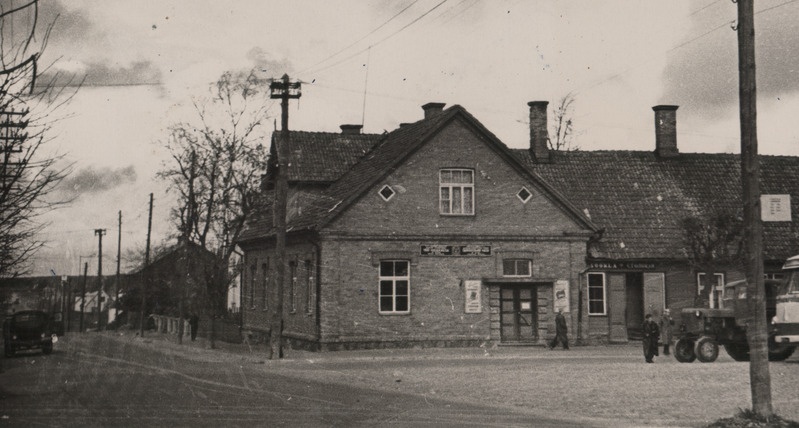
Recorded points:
(386, 192)
(524, 195)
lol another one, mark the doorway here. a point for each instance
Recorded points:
(634, 292)
(518, 313)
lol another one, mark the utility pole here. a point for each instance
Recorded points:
(83, 294)
(145, 273)
(284, 90)
(119, 256)
(757, 333)
(189, 223)
(99, 233)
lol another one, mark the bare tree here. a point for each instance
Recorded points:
(28, 173)
(563, 125)
(710, 243)
(215, 169)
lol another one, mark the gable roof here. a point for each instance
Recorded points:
(386, 155)
(324, 156)
(639, 199)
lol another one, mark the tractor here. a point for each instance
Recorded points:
(703, 330)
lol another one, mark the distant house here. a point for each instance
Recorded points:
(181, 270)
(437, 234)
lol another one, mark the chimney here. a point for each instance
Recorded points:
(351, 129)
(432, 109)
(666, 131)
(539, 135)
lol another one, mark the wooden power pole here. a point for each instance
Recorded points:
(119, 257)
(757, 333)
(145, 274)
(284, 90)
(99, 233)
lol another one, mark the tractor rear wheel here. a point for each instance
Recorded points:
(738, 352)
(684, 351)
(706, 349)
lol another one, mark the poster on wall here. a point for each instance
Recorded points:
(473, 300)
(561, 292)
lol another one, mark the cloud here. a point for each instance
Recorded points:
(266, 63)
(96, 180)
(703, 73)
(99, 74)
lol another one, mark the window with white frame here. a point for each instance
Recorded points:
(517, 267)
(309, 287)
(265, 282)
(253, 270)
(596, 294)
(395, 287)
(717, 294)
(456, 191)
(293, 286)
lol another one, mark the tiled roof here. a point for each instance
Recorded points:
(639, 199)
(315, 208)
(325, 156)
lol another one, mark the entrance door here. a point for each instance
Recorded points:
(518, 313)
(634, 291)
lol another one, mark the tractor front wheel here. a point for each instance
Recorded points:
(706, 349)
(738, 352)
(684, 351)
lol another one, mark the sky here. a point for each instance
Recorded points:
(376, 63)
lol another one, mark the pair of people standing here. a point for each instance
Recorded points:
(652, 333)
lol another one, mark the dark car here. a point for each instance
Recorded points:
(28, 330)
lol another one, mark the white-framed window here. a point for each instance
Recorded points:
(395, 287)
(386, 192)
(293, 286)
(265, 282)
(253, 271)
(517, 267)
(309, 287)
(524, 195)
(456, 191)
(718, 288)
(597, 304)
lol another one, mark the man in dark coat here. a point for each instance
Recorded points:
(651, 334)
(194, 322)
(560, 331)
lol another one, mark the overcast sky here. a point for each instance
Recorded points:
(378, 62)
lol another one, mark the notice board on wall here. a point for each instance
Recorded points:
(473, 296)
(561, 295)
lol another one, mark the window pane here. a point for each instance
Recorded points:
(386, 288)
(400, 268)
(523, 268)
(402, 303)
(446, 176)
(467, 200)
(386, 268)
(596, 308)
(525, 293)
(595, 293)
(456, 201)
(387, 304)
(508, 267)
(402, 288)
(445, 200)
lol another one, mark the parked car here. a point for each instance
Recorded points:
(28, 330)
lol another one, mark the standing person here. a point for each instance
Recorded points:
(651, 334)
(561, 331)
(666, 323)
(194, 321)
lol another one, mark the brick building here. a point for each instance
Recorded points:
(437, 234)
(434, 234)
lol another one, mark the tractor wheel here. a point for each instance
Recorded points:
(738, 352)
(706, 349)
(779, 352)
(684, 351)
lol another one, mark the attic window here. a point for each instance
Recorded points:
(524, 195)
(386, 192)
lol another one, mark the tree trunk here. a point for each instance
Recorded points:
(212, 335)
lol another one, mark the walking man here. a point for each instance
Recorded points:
(651, 333)
(666, 323)
(194, 322)
(561, 331)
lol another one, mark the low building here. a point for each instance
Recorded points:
(437, 234)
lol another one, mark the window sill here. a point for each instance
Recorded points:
(394, 314)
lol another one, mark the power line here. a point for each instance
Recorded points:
(383, 39)
(362, 38)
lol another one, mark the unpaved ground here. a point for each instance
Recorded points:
(595, 385)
